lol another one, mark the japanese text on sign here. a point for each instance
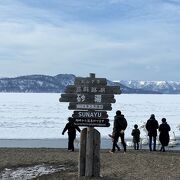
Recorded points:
(82, 98)
(87, 89)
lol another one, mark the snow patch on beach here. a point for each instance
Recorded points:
(25, 173)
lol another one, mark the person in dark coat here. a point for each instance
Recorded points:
(136, 137)
(152, 126)
(164, 129)
(71, 127)
(119, 127)
(116, 143)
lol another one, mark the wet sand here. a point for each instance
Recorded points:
(140, 164)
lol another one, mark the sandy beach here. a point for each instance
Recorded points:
(140, 164)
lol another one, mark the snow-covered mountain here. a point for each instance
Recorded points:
(165, 87)
(58, 83)
(36, 83)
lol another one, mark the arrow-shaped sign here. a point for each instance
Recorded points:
(87, 98)
(93, 89)
(90, 114)
(73, 106)
(92, 122)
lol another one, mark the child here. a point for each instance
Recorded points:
(136, 136)
(112, 137)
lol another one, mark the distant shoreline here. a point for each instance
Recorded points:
(106, 143)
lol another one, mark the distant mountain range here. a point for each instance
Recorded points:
(58, 83)
(164, 87)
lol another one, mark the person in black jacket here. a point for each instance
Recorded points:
(120, 125)
(136, 137)
(152, 126)
(164, 129)
(71, 127)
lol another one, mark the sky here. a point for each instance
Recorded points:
(115, 39)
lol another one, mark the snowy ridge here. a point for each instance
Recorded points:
(36, 83)
(58, 83)
(164, 87)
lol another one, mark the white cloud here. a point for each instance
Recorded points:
(44, 40)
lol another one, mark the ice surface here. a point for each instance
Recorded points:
(41, 115)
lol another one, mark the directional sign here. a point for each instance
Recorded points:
(90, 81)
(93, 89)
(90, 114)
(92, 122)
(91, 97)
(87, 98)
(89, 106)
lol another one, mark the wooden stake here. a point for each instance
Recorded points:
(82, 153)
(96, 166)
(89, 152)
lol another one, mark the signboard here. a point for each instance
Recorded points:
(87, 98)
(90, 114)
(91, 97)
(92, 122)
(73, 106)
(93, 89)
(90, 81)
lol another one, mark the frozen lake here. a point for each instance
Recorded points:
(41, 115)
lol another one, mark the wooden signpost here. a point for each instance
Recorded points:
(92, 122)
(73, 106)
(91, 98)
(90, 114)
(93, 89)
(87, 98)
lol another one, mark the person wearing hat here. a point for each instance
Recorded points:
(152, 126)
(164, 129)
(71, 127)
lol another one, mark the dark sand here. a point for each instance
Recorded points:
(140, 164)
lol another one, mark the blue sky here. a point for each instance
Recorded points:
(116, 39)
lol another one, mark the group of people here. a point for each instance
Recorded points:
(119, 127)
(152, 127)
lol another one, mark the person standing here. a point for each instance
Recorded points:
(71, 127)
(119, 127)
(136, 137)
(152, 126)
(116, 143)
(164, 129)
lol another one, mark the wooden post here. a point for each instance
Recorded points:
(97, 139)
(92, 153)
(82, 153)
(92, 75)
(89, 152)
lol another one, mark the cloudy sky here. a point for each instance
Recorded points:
(116, 39)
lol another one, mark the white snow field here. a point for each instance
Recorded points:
(41, 115)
